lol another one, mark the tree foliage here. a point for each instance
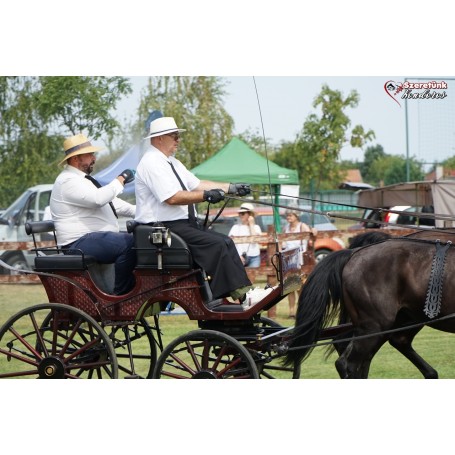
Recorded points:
(196, 103)
(391, 169)
(316, 151)
(256, 141)
(81, 104)
(372, 154)
(379, 168)
(36, 113)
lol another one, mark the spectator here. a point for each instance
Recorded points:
(294, 225)
(249, 252)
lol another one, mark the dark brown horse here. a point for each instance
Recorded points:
(379, 288)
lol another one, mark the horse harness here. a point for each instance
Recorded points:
(433, 298)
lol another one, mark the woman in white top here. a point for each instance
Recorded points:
(249, 252)
(293, 226)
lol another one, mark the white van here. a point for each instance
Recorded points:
(29, 206)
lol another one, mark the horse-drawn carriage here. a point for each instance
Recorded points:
(355, 299)
(86, 332)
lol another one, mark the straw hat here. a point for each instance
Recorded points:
(162, 126)
(77, 145)
(246, 207)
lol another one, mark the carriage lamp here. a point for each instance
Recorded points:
(160, 236)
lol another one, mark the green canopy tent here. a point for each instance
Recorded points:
(236, 162)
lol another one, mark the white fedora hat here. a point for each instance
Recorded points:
(162, 126)
(77, 145)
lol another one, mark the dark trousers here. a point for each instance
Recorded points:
(216, 254)
(108, 248)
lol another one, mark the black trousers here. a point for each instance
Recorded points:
(216, 254)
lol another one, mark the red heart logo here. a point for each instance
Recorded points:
(392, 89)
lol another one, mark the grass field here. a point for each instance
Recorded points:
(437, 348)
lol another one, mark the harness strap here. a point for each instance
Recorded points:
(434, 291)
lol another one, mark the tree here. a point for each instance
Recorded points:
(391, 169)
(81, 104)
(255, 140)
(196, 103)
(372, 154)
(316, 151)
(37, 112)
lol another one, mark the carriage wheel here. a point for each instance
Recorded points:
(55, 341)
(135, 348)
(205, 354)
(269, 362)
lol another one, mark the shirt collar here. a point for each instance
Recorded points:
(75, 170)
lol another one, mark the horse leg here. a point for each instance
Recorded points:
(341, 343)
(355, 361)
(402, 342)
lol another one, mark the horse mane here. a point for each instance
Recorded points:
(368, 238)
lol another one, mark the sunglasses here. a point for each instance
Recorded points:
(175, 136)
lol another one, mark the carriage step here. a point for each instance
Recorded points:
(224, 306)
(133, 376)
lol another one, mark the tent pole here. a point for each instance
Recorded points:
(276, 210)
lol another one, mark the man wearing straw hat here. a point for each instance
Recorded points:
(85, 213)
(166, 192)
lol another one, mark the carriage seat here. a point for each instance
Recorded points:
(60, 261)
(53, 259)
(177, 256)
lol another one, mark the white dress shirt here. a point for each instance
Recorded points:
(156, 182)
(78, 207)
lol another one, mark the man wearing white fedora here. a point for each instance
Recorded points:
(85, 214)
(166, 192)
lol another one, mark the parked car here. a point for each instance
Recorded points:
(29, 206)
(264, 219)
(406, 218)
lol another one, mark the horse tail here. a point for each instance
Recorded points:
(360, 240)
(319, 299)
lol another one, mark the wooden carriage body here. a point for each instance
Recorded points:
(163, 274)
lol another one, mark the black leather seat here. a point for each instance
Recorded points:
(177, 256)
(53, 259)
(56, 262)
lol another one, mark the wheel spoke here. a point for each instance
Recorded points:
(194, 357)
(27, 345)
(39, 335)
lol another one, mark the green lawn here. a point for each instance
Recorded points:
(437, 348)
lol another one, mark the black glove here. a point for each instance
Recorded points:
(214, 196)
(128, 175)
(239, 189)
